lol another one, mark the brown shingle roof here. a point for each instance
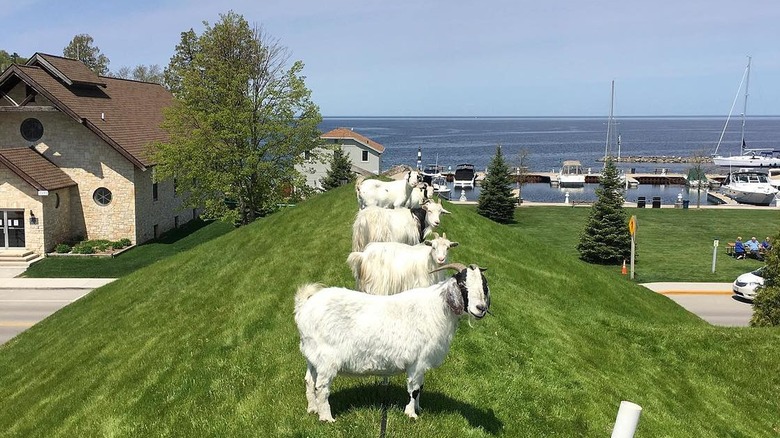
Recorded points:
(72, 71)
(125, 114)
(342, 133)
(34, 168)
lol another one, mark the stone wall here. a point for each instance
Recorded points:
(16, 194)
(162, 212)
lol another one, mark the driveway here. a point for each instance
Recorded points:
(712, 302)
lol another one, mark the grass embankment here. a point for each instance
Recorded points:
(671, 244)
(204, 344)
(186, 237)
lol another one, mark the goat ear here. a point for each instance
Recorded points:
(443, 211)
(454, 244)
(428, 242)
(454, 299)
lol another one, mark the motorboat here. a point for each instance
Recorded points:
(696, 179)
(748, 157)
(440, 186)
(571, 174)
(430, 172)
(748, 186)
(774, 178)
(465, 176)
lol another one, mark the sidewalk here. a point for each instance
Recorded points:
(8, 280)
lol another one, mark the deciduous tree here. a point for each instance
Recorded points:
(606, 239)
(495, 198)
(240, 121)
(82, 47)
(150, 73)
(6, 59)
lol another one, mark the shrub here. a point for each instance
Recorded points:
(766, 304)
(62, 248)
(83, 248)
(125, 241)
(117, 245)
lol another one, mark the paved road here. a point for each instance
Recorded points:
(20, 309)
(26, 301)
(712, 302)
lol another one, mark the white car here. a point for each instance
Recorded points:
(745, 285)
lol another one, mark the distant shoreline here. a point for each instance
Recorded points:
(699, 117)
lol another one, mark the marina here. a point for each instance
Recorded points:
(657, 152)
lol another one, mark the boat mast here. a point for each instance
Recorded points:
(744, 109)
(609, 123)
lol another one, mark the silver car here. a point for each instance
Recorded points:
(745, 285)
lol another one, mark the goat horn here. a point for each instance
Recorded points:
(457, 266)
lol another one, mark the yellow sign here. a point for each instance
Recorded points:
(632, 225)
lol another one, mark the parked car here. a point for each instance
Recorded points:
(745, 285)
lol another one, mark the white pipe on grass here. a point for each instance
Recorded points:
(627, 420)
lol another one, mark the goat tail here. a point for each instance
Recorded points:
(305, 292)
(355, 262)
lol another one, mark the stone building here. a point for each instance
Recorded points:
(73, 157)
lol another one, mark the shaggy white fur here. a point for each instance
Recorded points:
(402, 225)
(387, 268)
(387, 194)
(343, 331)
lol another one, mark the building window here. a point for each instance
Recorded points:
(154, 230)
(56, 200)
(154, 191)
(176, 222)
(31, 129)
(194, 213)
(175, 186)
(102, 196)
(364, 156)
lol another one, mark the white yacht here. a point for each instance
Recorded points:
(749, 187)
(571, 174)
(748, 157)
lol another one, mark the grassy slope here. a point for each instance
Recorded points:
(204, 344)
(672, 245)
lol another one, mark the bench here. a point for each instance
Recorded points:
(730, 248)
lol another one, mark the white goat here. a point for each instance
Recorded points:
(402, 225)
(387, 268)
(420, 195)
(387, 194)
(355, 333)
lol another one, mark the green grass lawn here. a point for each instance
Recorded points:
(671, 244)
(203, 343)
(173, 242)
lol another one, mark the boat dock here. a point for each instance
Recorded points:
(659, 178)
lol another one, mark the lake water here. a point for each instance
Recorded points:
(549, 141)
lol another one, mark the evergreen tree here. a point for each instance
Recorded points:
(340, 171)
(495, 200)
(606, 239)
(766, 304)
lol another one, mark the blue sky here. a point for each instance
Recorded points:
(460, 58)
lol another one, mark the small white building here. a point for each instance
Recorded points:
(364, 153)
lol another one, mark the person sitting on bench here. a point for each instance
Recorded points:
(739, 249)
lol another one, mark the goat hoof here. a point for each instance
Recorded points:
(327, 419)
(311, 410)
(411, 413)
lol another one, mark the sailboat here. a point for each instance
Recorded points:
(748, 157)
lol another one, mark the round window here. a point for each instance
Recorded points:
(56, 200)
(32, 129)
(102, 196)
